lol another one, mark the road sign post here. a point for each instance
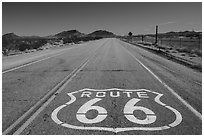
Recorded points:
(156, 36)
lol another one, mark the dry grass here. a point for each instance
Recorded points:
(191, 46)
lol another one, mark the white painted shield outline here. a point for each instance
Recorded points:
(116, 130)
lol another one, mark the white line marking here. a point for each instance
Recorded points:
(116, 130)
(89, 106)
(75, 71)
(170, 89)
(54, 116)
(178, 117)
(157, 99)
(26, 124)
(130, 107)
(33, 62)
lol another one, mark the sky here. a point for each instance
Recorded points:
(43, 19)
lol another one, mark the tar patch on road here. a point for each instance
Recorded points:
(116, 110)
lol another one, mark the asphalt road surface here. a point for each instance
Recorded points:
(107, 87)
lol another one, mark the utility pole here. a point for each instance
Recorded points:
(161, 40)
(156, 35)
(180, 42)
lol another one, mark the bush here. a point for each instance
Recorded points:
(31, 44)
(198, 52)
(38, 44)
(190, 51)
(161, 47)
(186, 50)
(23, 46)
(183, 54)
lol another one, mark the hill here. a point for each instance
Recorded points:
(9, 40)
(13, 42)
(10, 36)
(69, 34)
(102, 33)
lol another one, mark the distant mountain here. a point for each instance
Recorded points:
(179, 34)
(69, 34)
(12, 41)
(10, 36)
(76, 33)
(183, 33)
(32, 37)
(101, 33)
(64, 34)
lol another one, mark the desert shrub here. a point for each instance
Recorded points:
(31, 44)
(161, 47)
(23, 46)
(167, 51)
(192, 55)
(186, 50)
(190, 51)
(38, 44)
(67, 40)
(198, 52)
(183, 54)
(173, 51)
(147, 43)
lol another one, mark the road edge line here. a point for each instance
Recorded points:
(54, 91)
(44, 105)
(33, 62)
(170, 89)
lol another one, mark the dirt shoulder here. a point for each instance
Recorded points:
(9, 62)
(193, 62)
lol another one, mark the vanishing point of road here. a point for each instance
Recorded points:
(101, 87)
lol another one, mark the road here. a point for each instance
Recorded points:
(107, 87)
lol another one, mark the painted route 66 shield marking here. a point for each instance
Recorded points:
(116, 110)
